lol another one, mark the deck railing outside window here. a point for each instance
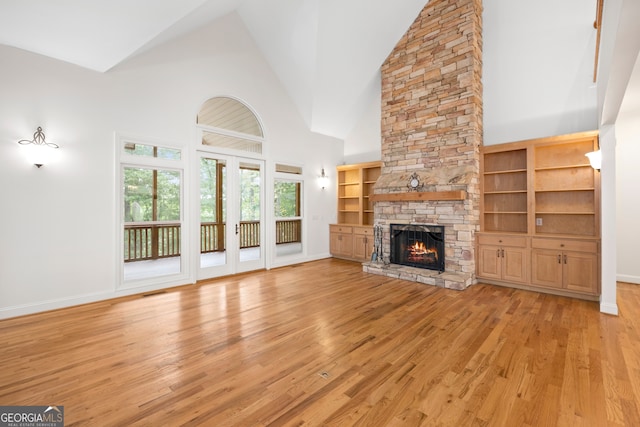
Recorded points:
(145, 242)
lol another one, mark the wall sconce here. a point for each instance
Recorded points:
(323, 180)
(595, 158)
(39, 149)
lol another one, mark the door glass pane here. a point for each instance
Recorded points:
(287, 196)
(152, 222)
(250, 210)
(213, 212)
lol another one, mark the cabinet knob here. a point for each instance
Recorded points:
(500, 241)
(562, 245)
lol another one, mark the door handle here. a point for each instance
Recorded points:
(559, 259)
(237, 229)
(565, 259)
(502, 252)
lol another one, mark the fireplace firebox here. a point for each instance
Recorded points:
(418, 245)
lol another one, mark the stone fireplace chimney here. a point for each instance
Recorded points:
(432, 127)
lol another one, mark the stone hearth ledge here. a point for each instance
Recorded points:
(456, 281)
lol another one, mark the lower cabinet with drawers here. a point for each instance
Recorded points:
(353, 242)
(564, 266)
(570, 265)
(503, 258)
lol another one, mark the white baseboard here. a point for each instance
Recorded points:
(298, 260)
(628, 279)
(25, 309)
(609, 308)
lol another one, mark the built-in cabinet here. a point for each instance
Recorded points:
(341, 241)
(362, 242)
(540, 215)
(352, 236)
(503, 257)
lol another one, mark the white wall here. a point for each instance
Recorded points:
(628, 196)
(538, 60)
(364, 141)
(57, 243)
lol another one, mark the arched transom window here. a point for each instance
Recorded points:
(228, 123)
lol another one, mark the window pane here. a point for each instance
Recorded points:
(168, 195)
(138, 195)
(141, 184)
(224, 141)
(168, 153)
(152, 230)
(135, 149)
(287, 199)
(208, 190)
(250, 194)
(296, 170)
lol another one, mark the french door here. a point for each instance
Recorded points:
(231, 215)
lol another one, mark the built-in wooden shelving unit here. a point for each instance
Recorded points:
(540, 204)
(352, 236)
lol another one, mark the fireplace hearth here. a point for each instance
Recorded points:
(417, 245)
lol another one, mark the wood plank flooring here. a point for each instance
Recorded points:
(323, 343)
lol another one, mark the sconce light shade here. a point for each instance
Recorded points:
(323, 180)
(39, 150)
(595, 158)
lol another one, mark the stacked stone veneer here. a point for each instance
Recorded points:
(432, 125)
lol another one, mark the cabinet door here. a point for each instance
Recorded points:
(360, 246)
(334, 243)
(514, 264)
(346, 245)
(489, 262)
(581, 272)
(546, 268)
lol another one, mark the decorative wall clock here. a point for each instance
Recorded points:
(414, 182)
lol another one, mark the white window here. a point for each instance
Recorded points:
(151, 215)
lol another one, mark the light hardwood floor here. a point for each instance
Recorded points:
(325, 344)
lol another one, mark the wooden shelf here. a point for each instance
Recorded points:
(563, 167)
(507, 192)
(506, 212)
(565, 213)
(505, 172)
(504, 191)
(352, 237)
(564, 190)
(355, 184)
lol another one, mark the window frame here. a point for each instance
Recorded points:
(125, 160)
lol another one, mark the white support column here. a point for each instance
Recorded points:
(608, 302)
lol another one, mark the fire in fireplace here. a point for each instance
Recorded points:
(418, 245)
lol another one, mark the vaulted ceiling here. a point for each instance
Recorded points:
(326, 52)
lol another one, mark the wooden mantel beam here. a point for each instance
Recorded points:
(419, 196)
